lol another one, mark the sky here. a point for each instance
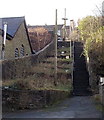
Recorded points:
(41, 12)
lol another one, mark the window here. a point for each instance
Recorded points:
(22, 52)
(16, 52)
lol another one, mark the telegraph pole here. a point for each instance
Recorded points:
(71, 31)
(64, 32)
(56, 46)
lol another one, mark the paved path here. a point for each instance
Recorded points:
(75, 107)
(80, 74)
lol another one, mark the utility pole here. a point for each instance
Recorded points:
(55, 46)
(70, 39)
(64, 27)
(71, 31)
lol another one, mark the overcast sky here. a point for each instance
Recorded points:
(40, 12)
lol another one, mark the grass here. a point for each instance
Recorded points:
(43, 76)
(64, 87)
(55, 106)
(67, 49)
(64, 60)
(100, 107)
(38, 83)
(51, 61)
(48, 67)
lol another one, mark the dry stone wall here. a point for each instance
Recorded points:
(13, 100)
(21, 67)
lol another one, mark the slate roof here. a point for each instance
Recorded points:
(13, 24)
(48, 27)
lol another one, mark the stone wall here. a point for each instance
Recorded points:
(94, 81)
(65, 43)
(21, 67)
(101, 92)
(18, 40)
(13, 100)
(93, 77)
(39, 37)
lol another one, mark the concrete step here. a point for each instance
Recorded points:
(80, 93)
(80, 75)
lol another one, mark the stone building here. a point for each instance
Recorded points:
(39, 38)
(50, 33)
(17, 40)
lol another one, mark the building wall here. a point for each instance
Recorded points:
(67, 32)
(39, 37)
(19, 39)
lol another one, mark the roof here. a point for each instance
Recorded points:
(40, 30)
(67, 27)
(48, 27)
(7, 36)
(13, 24)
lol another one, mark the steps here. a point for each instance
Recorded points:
(80, 74)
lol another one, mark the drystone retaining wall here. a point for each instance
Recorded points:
(21, 67)
(93, 77)
(13, 100)
(101, 92)
(94, 81)
(65, 43)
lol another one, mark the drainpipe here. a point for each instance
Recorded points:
(4, 40)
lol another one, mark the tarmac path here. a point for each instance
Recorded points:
(74, 107)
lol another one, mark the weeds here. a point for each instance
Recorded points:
(43, 75)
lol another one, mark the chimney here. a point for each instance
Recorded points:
(72, 25)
